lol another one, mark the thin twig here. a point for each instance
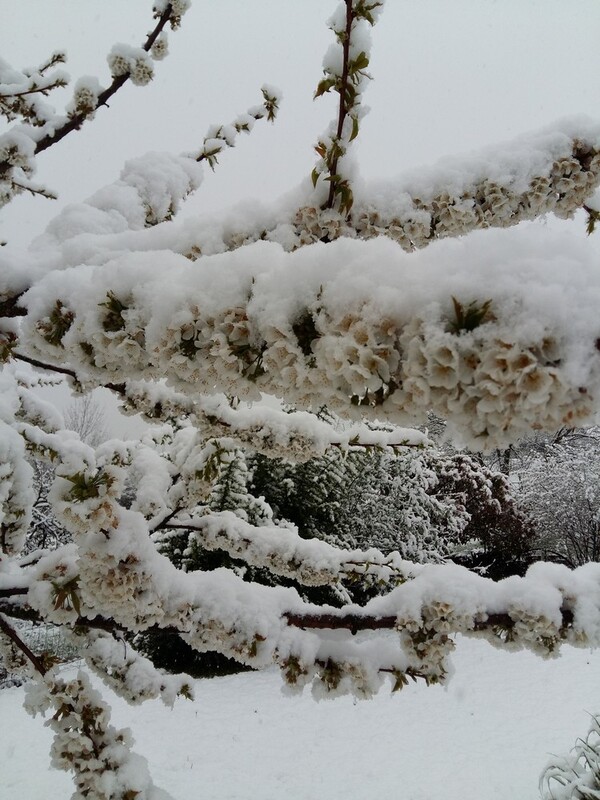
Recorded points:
(342, 106)
(76, 121)
(42, 365)
(118, 388)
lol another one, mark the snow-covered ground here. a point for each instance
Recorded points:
(486, 736)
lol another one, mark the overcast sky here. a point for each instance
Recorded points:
(449, 76)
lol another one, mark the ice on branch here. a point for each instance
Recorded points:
(479, 330)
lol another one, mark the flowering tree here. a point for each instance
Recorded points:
(347, 295)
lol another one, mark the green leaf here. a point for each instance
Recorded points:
(113, 320)
(469, 317)
(360, 62)
(323, 87)
(354, 133)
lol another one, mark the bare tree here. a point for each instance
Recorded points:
(86, 417)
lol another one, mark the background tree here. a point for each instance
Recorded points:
(87, 418)
(560, 491)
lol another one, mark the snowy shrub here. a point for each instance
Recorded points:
(575, 776)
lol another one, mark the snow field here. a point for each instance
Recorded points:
(487, 736)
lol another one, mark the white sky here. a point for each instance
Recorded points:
(450, 76)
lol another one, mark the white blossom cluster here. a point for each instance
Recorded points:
(494, 381)
(483, 347)
(133, 62)
(132, 675)
(178, 9)
(86, 744)
(282, 551)
(17, 153)
(85, 98)
(160, 48)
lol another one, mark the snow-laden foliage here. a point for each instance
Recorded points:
(559, 488)
(320, 302)
(485, 337)
(86, 744)
(575, 776)
(365, 498)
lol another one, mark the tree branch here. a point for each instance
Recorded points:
(118, 388)
(358, 622)
(13, 591)
(76, 121)
(342, 104)
(42, 365)
(20, 644)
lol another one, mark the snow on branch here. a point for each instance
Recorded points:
(310, 562)
(122, 576)
(552, 171)
(19, 90)
(345, 70)
(130, 674)
(479, 330)
(295, 436)
(221, 136)
(43, 127)
(86, 744)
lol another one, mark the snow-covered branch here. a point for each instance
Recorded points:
(479, 330)
(345, 69)
(44, 128)
(283, 552)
